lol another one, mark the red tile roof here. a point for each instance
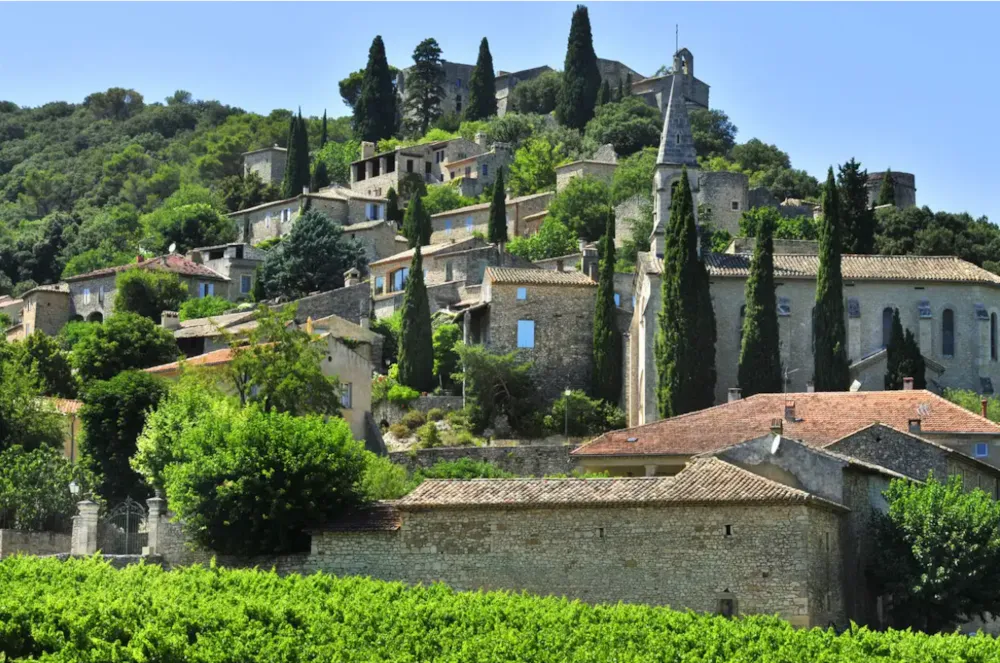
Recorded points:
(860, 267)
(65, 405)
(172, 262)
(523, 276)
(214, 358)
(819, 419)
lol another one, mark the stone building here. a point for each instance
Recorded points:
(599, 170)
(455, 84)
(238, 262)
(464, 222)
(475, 174)
(374, 174)
(506, 81)
(45, 308)
(547, 316)
(268, 163)
(904, 188)
(656, 90)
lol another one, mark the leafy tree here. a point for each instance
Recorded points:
(685, 337)
(496, 385)
(312, 257)
(903, 358)
(114, 104)
(497, 228)
(443, 197)
(534, 167)
(607, 382)
(713, 133)
(755, 155)
(887, 192)
(350, 87)
(629, 125)
(123, 341)
(537, 95)
(552, 240)
(578, 415)
(582, 206)
(40, 356)
(25, 419)
(938, 554)
(603, 95)
(416, 348)
(482, 87)
(858, 217)
(628, 85)
(336, 159)
(75, 331)
(581, 77)
(34, 488)
(113, 414)
(634, 176)
(424, 88)
(242, 191)
(375, 108)
(446, 337)
(320, 178)
(389, 328)
(830, 336)
(204, 307)
(297, 159)
(148, 292)
(417, 223)
(186, 224)
(760, 350)
(641, 227)
(392, 211)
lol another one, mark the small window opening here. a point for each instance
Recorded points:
(729, 530)
(600, 532)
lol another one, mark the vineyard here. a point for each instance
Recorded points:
(84, 610)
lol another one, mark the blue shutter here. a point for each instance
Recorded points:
(525, 333)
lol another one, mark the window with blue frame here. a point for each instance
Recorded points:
(525, 333)
(447, 226)
(468, 223)
(982, 450)
(522, 293)
(379, 283)
(618, 299)
(486, 170)
(399, 278)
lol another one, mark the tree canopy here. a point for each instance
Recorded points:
(583, 206)
(123, 341)
(148, 292)
(630, 125)
(375, 106)
(482, 87)
(581, 78)
(424, 88)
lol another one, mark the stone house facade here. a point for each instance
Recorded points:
(599, 170)
(506, 81)
(238, 262)
(45, 308)
(269, 163)
(463, 222)
(476, 174)
(374, 174)
(275, 219)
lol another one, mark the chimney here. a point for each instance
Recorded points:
(735, 394)
(367, 149)
(482, 139)
(907, 384)
(195, 257)
(982, 404)
(777, 426)
(789, 410)
(138, 258)
(810, 388)
(914, 425)
(170, 320)
(352, 277)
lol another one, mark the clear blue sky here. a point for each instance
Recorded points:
(906, 85)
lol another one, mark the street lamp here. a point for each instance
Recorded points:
(74, 488)
(567, 394)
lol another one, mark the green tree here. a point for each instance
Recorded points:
(320, 178)
(581, 77)
(350, 87)
(887, 192)
(148, 292)
(113, 414)
(629, 125)
(582, 206)
(903, 358)
(603, 95)
(312, 257)
(446, 337)
(913, 364)
(937, 551)
(497, 385)
(34, 488)
(534, 167)
(831, 372)
(41, 356)
(375, 108)
(186, 225)
(607, 380)
(858, 217)
(628, 84)
(497, 228)
(336, 159)
(552, 240)
(123, 341)
(537, 95)
(416, 346)
(417, 223)
(259, 292)
(25, 419)
(204, 307)
(297, 159)
(760, 349)
(714, 135)
(392, 211)
(633, 176)
(424, 88)
(685, 338)
(443, 197)
(482, 86)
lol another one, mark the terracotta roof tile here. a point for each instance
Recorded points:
(703, 481)
(214, 358)
(820, 418)
(172, 262)
(432, 249)
(64, 405)
(519, 276)
(481, 206)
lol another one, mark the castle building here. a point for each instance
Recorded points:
(904, 188)
(269, 163)
(656, 90)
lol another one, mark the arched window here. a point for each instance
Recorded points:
(993, 336)
(948, 333)
(886, 326)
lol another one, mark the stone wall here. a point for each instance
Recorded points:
(379, 242)
(463, 223)
(350, 302)
(681, 556)
(626, 212)
(598, 170)
(268, 163)
(13, 542)
(45, 311)
(391, 413)
(523, 461)
(725, 194)
(905, 188)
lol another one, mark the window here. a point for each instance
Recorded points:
(451, 174)
(468, 223)
(448, 270)
(409, 165)
(447, 226)
(458, 104)
(982, 450)
(427, 167)
(439, 156)
(633, 301)
(206, 289)
(522, 293)
(743, 314)
(245, 284)
(727, 607)
(399, 278)
(458, 83)
(486, 170)
(886, 326)
(618, 299)
(468, 171)
(948, 333)
(100, 294)
(86, 295)
(525, 333)
(379, 283)
(347, 394)
(736, 205)
(373, 211)
(678, 139)
(993, 336)
(267, 220)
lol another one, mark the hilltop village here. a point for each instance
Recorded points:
(536, 330)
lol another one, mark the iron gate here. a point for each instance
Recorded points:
(123, 530)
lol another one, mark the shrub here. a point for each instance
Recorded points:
(435, 414)
(384, 480)
(429, 436)
(463, 468)
(25, 419)
(587, 416)
(400, 431)
(74, 332)
(414, 419)
(203, 307)
(496, 384)
(123, 341)
(381, 384)
(400, 394)
(148, 292)
(34, 489)
(463, 438)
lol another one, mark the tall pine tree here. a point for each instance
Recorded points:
(685, 338)
(482, 86)
(913, 364)
(894, 354)
(887, 192)
(620, 92)
(607, 382)
(830, 368)
(297, 158)
(322, 136)
(375, 110)
(417, 223)
(320, 176)
(496, 229)
(424, 88)
(628, 85)
(392, 211)
(603, 94)
(416, 346)
(581, 78)
(858, 216)
(760, 351)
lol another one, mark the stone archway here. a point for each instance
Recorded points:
(96, 316)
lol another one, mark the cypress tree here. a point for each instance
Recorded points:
(392, 212)
(628, 85)
(290, 160)
(887, 192)
(424, 88)
(858, 216)
(603, 94)
(497, 227)
(760, 353)
(375, 110)
(620, 93)
(831, 372)
(894, 354)
(685, 338)
(417, 223)
(322, 137)
(416, 347)
(297, 158)
(913, 364)
(482, 86)
(581, 77)
(320, 177)
(607, 342)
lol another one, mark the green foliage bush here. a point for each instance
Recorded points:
(41, 355)
(583, 207)
(400, 394)
(444, 197)
(587, 416)
(971, 401)
(428, 436)
(34, 489)
(435, 414)
(400, 430)
(123, 341)
(203, 307)
(630, 125)
(552, 240)
(27, 420)
(148, 292)
(414, 419)
(85, 610)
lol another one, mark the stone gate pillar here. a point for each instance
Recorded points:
(157, 508)
(84, 541)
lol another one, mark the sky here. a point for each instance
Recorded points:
(909, 86)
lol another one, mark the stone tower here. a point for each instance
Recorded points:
(676, 151)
